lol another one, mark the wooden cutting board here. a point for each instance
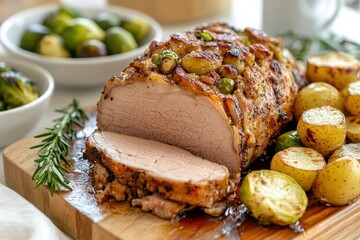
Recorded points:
(78, 214)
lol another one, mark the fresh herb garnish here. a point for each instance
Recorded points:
(301, 46)
(53, 153)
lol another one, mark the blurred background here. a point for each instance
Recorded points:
(184, 14)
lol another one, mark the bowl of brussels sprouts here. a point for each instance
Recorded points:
(25, 92)
(80, 47)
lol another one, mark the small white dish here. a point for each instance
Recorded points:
(74, 72)
(18, 122)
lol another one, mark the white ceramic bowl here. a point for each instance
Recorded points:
(78, 72)
(18, 122)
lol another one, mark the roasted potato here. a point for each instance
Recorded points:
(351, 96)
(353, 128)
(335, 68)
(317, 94)
(346, 150)
(303, 164)
(338, 183)
(323, 129)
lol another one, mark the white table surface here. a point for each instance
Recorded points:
(241, 14)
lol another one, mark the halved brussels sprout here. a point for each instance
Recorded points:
(166, 61)
(91, 48)
(226, 86)
(273, 197)
(201, 62)
(16, 89)
(53, 46)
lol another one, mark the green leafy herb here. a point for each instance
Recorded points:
(53, 152)
(301, 46)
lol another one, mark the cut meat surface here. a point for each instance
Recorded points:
(155, 167)
(188, 104)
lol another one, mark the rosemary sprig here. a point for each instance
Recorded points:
(53, 152)
(301, 46)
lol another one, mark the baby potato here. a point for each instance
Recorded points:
(338, 183)
(317, 94)
(322, 128)
(347, 150)
(303, 164)
(353, 128)
(336, 68)
(351, 96)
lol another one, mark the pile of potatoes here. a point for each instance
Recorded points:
(325, 159)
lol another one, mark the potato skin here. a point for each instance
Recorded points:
(347, 150)
(338, 183)
(317, 94)
(351, 96)
(323, 129)
(353, 128)
(303, 164)
(335, 68)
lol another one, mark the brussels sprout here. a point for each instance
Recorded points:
(66, 10)
(204, 35)
(2, 105)
(16, 89)
(286, 140)
(91, 48)
(107, 20)
(166, 61)
(57, 22)
(119, 40)
(201, 62)
(79, 30)
(226, 86)
(273, 197)
(53, 46)
(4, 67)
(139, 29)
(32, 36)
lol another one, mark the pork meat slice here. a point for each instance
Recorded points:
(185, 103)
(155, 167)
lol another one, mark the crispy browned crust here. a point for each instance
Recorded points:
(265, 88)
(202, 194)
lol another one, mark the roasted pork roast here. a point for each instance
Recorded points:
(220, 93)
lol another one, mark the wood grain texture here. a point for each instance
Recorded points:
(77, 213)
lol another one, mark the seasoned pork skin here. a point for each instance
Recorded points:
(181, 99)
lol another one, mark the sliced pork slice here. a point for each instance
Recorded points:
(187, 105)
(148, 166)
